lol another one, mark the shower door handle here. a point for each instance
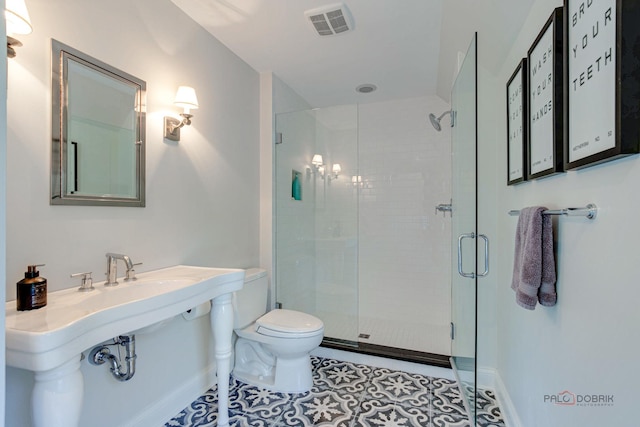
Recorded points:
(460, 239)
(486, 255)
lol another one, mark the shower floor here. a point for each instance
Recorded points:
(420, 337)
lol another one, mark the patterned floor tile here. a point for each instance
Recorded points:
(401, 387)
(449, 420)
(446, 397)
(324, 408)
(257, 402)
(375, 413)
(242, 420)
(488, 412)
(315, 362)
(344, 376)
(202, 412)
(346, 395)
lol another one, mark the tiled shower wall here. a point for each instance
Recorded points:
(337, 223)
(369, 258)
(295, 219)
(404, 247)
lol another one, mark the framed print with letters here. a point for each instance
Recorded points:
(545, 97)
(602, 82)
(517, 124)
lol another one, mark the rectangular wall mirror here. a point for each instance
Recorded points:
(98, 132)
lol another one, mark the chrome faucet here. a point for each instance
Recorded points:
(112, 268)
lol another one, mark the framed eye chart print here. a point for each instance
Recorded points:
(602, 87)
(517, 124)
(545, 96)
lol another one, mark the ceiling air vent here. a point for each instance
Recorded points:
(330, 20)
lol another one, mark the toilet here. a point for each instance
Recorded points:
(272, 348)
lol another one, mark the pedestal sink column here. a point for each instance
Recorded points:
(57, 396)
(222, 328)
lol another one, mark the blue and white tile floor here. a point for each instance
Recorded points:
(346, 394)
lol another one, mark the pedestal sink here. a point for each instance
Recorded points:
(48, 341)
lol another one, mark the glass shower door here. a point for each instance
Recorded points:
(317, 217)
(464, 224)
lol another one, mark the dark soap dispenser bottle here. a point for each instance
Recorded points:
(32, 290)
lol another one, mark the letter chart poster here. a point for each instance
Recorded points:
(592, 77)
(541, 106)
(516, 136)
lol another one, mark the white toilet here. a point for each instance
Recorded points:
(272, 350)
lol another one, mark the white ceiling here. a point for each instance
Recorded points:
(395, 45)
(407, 48)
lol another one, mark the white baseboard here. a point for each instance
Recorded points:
(486, 378)
(170, 405)
(490, 378)
(509, 413)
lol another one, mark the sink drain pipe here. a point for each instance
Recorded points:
(101, 354)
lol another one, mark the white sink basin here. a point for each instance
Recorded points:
(72, 321)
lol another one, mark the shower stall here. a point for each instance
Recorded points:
(359, 243)
(375, 231)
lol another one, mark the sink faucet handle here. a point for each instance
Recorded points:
(87, 281)
(131, 273)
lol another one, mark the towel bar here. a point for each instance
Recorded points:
(590, 211)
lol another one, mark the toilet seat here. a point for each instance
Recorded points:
(288, 324)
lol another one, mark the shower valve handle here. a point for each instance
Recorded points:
(444, 208)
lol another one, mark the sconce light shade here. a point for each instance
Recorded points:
(336, 170)
(317, 160)
(17, 17)
(186, 98)
(18, 22)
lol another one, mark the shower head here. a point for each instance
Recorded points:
(435, 121)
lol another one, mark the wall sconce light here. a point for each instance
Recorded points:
(317, 161)
(356, 180)
(335, 171)
(185, 98)
(18, 22)
(318, 164)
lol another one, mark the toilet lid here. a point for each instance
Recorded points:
(281, 322)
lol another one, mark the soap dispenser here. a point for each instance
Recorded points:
(32, 290)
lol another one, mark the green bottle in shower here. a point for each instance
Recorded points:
(296, 192)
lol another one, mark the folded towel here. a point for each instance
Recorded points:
(534, 270)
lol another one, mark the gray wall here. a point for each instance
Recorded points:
(588, 343)
(202, 193)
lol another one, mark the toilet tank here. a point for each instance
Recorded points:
(250, 302)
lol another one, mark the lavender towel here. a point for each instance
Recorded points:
(534, 269)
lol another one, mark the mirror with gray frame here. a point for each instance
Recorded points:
(98, 132)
